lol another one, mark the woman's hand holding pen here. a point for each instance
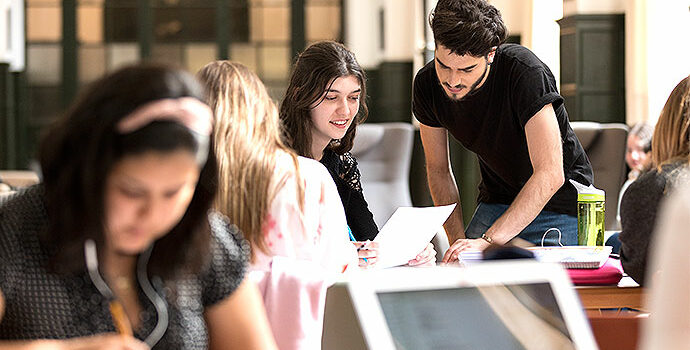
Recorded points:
(368, 252)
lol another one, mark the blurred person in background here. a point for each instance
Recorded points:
(637, 156)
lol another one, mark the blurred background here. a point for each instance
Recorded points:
(615, 60)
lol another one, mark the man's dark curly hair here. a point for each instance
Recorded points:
(467, 27)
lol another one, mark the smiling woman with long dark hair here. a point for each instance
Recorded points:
(324, 102)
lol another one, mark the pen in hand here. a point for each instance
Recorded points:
(352, 238)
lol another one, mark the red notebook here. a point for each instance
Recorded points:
(609, 273)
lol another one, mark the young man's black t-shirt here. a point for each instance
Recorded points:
(491, 123)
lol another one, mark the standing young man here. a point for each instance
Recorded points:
(501, 102)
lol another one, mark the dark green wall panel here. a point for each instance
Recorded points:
(6, 137)
(390, 92)
(593, 67)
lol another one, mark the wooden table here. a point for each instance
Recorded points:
(608, 325)
(626, 294)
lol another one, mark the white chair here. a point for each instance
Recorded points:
(19, 178)
(383, 152)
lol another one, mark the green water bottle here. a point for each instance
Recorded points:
(590, 215)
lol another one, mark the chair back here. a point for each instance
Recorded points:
(19, 178)
(605, 148)
(383, 152)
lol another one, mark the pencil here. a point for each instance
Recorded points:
(120, 318)
(117, 312)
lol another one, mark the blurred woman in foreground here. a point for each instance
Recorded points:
(119, 237)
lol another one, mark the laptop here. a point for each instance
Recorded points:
(495, 305)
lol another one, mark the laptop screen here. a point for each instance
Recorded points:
(488, 317)
(493, 305)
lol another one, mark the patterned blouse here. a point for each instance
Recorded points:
(343, 170)
(40, 304)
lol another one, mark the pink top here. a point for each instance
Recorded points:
(309, 248)
(319, 232)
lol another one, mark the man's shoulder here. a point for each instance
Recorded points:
(426, 73)
(518, 54)
(425, 92)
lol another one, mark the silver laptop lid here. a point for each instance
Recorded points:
(497, 305)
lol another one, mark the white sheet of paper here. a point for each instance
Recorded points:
(407, 233)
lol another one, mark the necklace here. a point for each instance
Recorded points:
(123, 283)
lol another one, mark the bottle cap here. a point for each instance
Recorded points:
(588, 193)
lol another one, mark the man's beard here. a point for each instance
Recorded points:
(473, 87)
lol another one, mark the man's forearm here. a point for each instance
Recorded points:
(444, 191)
(527, 205)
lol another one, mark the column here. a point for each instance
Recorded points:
(666, 32)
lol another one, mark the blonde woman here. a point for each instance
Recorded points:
(670, 170)
(284, 204)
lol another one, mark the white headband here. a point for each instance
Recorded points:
(188, 111)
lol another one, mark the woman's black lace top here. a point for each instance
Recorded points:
(343, 170)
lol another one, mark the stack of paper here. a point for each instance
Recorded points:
(469, 257)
